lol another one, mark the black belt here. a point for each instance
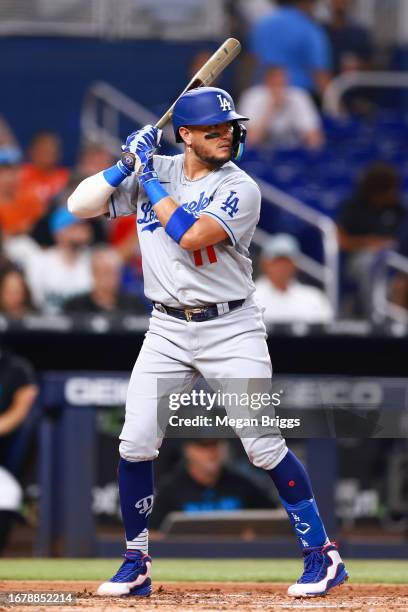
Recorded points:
(201, 313)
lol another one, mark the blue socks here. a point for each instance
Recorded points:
(289, 476)
(295, 490)
(307, 523)
(291, 479)
(136, 501)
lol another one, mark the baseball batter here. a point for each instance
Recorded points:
(196, 214)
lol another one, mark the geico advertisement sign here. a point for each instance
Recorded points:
(105, 391)
(309, 393)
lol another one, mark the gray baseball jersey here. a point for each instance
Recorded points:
(177, 277)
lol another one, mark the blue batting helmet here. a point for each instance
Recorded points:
(206, 106)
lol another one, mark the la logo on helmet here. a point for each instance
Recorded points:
(224, 103)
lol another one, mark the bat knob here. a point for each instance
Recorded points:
(128, 159)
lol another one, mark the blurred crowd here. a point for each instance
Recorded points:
(52, 262)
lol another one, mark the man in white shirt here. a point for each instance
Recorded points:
(281, 115)
(61, 272)
(285, 299)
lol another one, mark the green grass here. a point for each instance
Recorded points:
(218, 570)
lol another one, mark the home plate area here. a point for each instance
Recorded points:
(215, 596)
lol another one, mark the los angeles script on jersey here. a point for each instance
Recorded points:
(149, 220)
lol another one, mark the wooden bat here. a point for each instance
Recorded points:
(212, 68)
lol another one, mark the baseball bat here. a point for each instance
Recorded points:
(207, 74)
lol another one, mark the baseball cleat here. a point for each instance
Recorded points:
(324, 569)
(132, 578)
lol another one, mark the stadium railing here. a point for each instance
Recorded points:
(383, 307)
(343, 83)
(327, 272)
(109, 19)
(100, 115)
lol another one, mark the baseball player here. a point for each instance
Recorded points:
(196, 214)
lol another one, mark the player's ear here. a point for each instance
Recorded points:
(186, 135)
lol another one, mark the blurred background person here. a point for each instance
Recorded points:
(284, 298)
(20, 208)
(281, 115)
(93, 158)
(291, 37)
(42, 232)
(15, 297)
(18, 393)
(399, 281)
(5, 261)
(61, 272)
(105, 296)
(368, 223)
(204, 482)
(43, 173)
(352, 51)
(7, 137)
(351, 44)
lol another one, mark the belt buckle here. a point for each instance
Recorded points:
(189, 312)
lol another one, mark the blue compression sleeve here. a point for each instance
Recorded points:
(116, 174)
(179, 222)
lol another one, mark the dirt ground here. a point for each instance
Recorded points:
(215, 597)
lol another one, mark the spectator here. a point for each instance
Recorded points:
(19, 207)
(399, 284)
(18, 392)
(105, 296)
(281, 115)
(7, 138)
(351, 44)
(203, 483)
(43, 175)
(352, 51)
(290, 37)
(41, 232)
(285, 299)
(368, 223)
(59, 273)
(15, 298)
(93, 158)
(5, 261)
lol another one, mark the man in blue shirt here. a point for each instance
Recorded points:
(290, 37)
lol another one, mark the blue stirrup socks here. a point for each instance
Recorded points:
(296, 494)
(136, 501)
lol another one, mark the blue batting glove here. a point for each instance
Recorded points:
(142, 144)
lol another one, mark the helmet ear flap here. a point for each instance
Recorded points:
(178, 137)
(238, 140)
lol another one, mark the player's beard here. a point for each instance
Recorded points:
(211, 160)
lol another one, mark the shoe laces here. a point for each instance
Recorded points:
(312, 567)
(131, 564)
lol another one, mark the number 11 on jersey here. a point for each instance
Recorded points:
(211, 254)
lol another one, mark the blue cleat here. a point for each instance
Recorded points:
(132, 578)
(324, 569)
